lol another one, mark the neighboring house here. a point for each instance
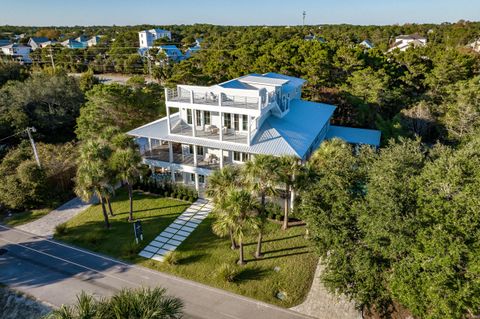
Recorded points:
(95, 40)
(367, 44)
(36, 42)
(4, 42)
(74, 44)
(17, 51)
(46, 44)
(172, 52)
(403, 42)
(312, 37)
(82, 38)
(230, 122)
(475, 46)
(148, 37)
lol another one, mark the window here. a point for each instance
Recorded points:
(189, 116)
(190, 149)
(201, 179)
(236, 156)
(199, 117)
(245, 122)
(227, 120)
(200, 150)
(192, 177)
(206, 118)
(236, 122)
(240, 157)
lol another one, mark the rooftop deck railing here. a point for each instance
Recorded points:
(221, 99)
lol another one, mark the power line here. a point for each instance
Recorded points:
(6, 138)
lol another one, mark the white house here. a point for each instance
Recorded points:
(147, 37)
(403, 42)
(367, 44)
(36, 42)
(227, 123)
(17, 51)
(93, 40)
(475, 46)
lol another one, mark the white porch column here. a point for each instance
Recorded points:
(172, 171)
(194, 122)
(149, 144)
(197, 185)
(170, 152)
(168, 120)
(221, 158)
(195, 160)
(249, 133)
(221, 126)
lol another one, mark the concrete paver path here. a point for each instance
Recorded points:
(322, 304)
(45, 226)
(172, 236)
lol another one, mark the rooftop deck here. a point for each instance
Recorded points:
(216, 99)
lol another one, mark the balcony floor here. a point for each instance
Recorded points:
(230, 136)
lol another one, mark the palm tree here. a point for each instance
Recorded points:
(92, 174)
(260, 176)
(240, 215)
(218, 186)
(289, 167)
(142, 303)
(126, 162)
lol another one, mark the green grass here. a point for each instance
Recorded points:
(288, 265)
(28, 216)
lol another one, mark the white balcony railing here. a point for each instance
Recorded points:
(180, 94)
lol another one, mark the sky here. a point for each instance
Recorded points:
(237, 12)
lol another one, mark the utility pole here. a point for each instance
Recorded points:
(304, 15)
(29, 130)
(149, 64)
(51, 56)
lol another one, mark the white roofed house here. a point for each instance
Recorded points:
(148, 37)
(208, 127)
(403, 42)
(475, 45)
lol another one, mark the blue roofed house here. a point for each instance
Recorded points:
(172, 53)
(37, 42)
(367, 44)
(230, 122)
(74, 44)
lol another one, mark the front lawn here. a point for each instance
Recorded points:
(287, 267)
(17, 219)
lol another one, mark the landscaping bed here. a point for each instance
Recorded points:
(20, 218)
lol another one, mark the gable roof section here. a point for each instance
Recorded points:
(39, 40)
(300, 126)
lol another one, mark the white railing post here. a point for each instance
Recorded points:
(170, 152)
(221, 126)
(166, 94)
(194, 122)
(249, 133)
(221, 158)
(191, 97)
(195, 159)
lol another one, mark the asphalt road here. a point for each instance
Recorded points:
(56, 273)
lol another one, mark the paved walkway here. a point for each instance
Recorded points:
(178, 231)
(323, 305)
(55, 273)
(45, 226)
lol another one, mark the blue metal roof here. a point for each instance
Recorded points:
(355, 135)
(302, 124)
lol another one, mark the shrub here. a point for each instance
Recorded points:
(173, 194)
(179, 196)
(228, 272)
(190, 199)
(271, 215)
(171, 258)
(61, 229)
(278, 217)
(167, 194)
(93, 237)
(130, 250)
(185, 197)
